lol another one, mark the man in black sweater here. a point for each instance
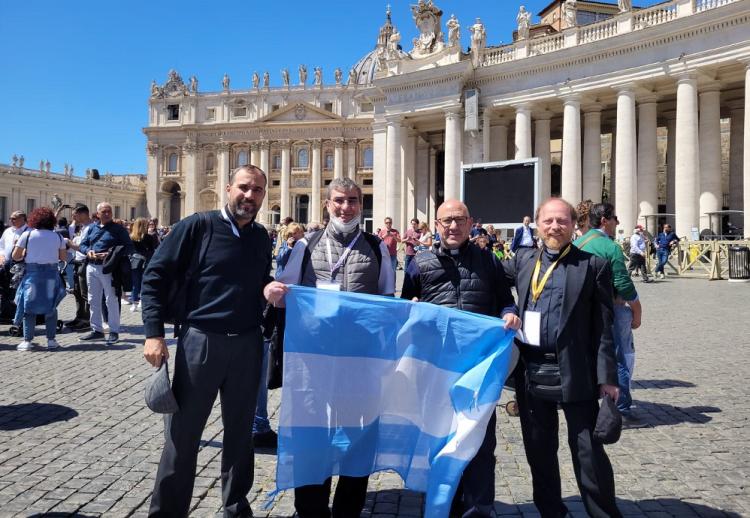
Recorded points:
(458, 274)
(220, 346)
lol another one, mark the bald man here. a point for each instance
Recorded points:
(565, 298)
(459, 274)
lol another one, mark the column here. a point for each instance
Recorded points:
(627, 160)
(592, 154)
(571, 151)
(671, 133)
(255, 154)
(264, 214)
(393, 170)
(686, 156)
(408, 165)
(499, 142)
(379, 152)
(746, 158)
(338, 158)
(647, 181)
(351, 159)
(523, 132)
(432, 204)
(286, 175)
(453, 127)
(542, 151)
(222, 172)
(422, 174)
(190, 164)
(736, 141)
(315, 181)
(710, 158)
(486, 134)
(152, 185)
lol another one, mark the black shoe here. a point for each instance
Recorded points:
(113, 338)
(92, 336)
(267, 439)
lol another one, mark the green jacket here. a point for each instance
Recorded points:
(603, 246)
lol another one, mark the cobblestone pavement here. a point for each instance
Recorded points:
(76, 437)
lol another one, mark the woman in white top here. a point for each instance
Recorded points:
(41, 288)
(425, 238)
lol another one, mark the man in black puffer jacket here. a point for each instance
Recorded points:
(458, 274)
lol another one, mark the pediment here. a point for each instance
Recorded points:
(300, 112)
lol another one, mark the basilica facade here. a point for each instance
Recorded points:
(601, 83)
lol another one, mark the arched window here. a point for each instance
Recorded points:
(172, 162)
(210, 161)
(302, 157)
(276, 162)
(328, 165)
(242, 158)
(367, 157)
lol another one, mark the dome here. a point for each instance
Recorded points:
(366, 67)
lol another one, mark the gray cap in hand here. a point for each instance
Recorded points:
(159, 395)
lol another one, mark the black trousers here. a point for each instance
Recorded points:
(475, 495)
(638, 264)
(593, 471)
(348, 502)
(81, 292)
(207, 364)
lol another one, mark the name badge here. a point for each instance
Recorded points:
(328, 285)
(532, 324)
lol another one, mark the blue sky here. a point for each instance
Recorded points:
(76, 74)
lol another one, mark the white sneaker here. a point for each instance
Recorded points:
(25, 346)
(139, 305)
(133, 308)
(52, 344)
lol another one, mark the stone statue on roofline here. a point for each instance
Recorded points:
(454, 31)
(524, 21)
(285, 77)
(318, 76)
(625, 5)
(570, 13)
(15, 159)
(225, 82)
(266, 79)
(256, 80)
(427, 17)
(352, 77)
(337, 75)
(478, 42)
(302, 74)
(194, 84)
(20, 161)
(56, 201)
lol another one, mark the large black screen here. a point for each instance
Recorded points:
(500, 194)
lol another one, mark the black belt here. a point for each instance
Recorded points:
(531, 353)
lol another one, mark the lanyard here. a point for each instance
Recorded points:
(342, 259)
(536, 286)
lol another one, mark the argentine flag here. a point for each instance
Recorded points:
(377, 383)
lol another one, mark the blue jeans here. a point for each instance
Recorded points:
(29, 323)
(261, 423)
(394, 262)
(137, 276)
(663, 256)
(407, 260)
(624, 354)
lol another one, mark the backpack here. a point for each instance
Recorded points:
(176, 304)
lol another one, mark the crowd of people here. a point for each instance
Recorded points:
(98, 259)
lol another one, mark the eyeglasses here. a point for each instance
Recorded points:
(459, 220)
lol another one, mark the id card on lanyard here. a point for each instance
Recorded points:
(332, 284)
(532, 320)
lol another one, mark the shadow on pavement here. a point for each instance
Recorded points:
(122, 345)
(31, 415)
(60, 515)
(661, 414)
(661, 384)
(647, 507)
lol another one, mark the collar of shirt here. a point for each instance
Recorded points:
(225, 214)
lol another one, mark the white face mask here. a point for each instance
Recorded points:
(345, 228)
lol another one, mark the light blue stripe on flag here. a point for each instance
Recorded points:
(376, 383)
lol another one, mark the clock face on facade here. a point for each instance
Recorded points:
(299, 112)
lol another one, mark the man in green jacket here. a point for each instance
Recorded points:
(627, 315)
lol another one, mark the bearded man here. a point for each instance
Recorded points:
(225, 259)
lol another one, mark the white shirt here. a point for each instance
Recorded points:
(42, 246)
(637, 244)
(78, 238)
(8, 240)
(526, 238)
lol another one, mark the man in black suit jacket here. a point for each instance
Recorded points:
(565, 301)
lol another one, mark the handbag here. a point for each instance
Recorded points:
(543, 381)
(18, 269)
